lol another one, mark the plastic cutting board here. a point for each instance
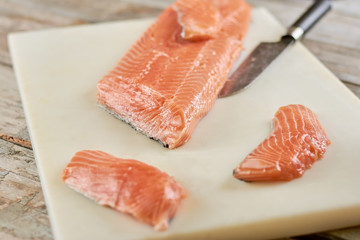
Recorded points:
(57, 71)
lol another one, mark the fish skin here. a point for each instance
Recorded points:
(164, 85)
(296, 142)
(126, 185)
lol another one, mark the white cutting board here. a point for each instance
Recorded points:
(57, 71)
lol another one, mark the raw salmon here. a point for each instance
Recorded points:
(297, 141)
(199, 21)
(165, 84)
(127, 185)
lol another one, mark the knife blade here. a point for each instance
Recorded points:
(266, 52)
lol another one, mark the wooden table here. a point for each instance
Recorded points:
(335, 41)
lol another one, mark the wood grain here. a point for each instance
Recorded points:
(22, 208)
(335, 41)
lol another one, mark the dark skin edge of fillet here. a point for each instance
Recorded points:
(131, 125)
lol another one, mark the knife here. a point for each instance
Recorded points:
(266, 52)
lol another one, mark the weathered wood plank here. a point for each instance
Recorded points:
(22, 207)
(354, 88)
(12, 120)
(342, 61)
(348, 233)
(17, 17)
(22, 15)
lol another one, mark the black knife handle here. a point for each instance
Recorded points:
(309, 18)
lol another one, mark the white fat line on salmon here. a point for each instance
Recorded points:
(147, 68)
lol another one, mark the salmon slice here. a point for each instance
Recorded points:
(165, 84)
(297, 141)
(199, 21)
(127, 185)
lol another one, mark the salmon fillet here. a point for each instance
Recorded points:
(297, 141)
(127, 185)
(165, 84)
